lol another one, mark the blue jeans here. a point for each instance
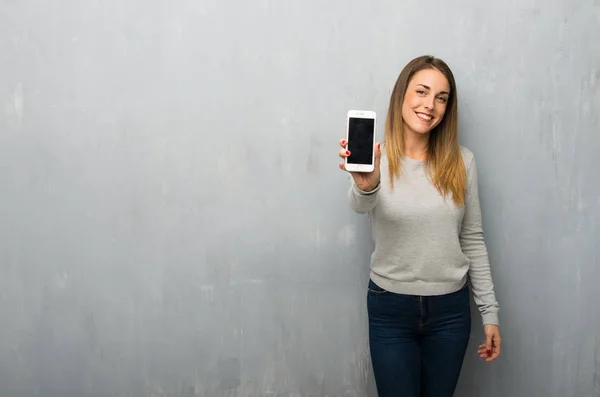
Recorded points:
(417, 343)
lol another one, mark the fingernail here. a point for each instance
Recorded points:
(489, 352)
(343, 141)
(378, 145)
(347, 153)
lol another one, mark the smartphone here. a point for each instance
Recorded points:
(360, 135)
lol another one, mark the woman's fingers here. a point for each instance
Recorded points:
(482, 351)
(488, 355)
(343, 153)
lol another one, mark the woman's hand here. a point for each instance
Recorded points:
(366, 181)
(490, 349)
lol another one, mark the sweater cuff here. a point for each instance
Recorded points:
(365, 193)
(490, 319)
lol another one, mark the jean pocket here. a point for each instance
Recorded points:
(375, 289)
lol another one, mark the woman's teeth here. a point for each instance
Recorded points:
(424, 117)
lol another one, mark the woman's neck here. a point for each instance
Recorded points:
(415, 145)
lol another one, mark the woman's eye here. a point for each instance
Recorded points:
(420, 92)
(443, 99)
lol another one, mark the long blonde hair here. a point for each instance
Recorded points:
(444, 160)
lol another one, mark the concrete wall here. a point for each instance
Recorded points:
(173, 222)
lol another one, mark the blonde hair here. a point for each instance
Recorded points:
(444, 160)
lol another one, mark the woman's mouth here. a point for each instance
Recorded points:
(424, 117)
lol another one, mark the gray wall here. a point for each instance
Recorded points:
(173, 222)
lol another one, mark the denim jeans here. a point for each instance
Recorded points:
(417, 343)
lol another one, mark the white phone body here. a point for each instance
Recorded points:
(361, 127)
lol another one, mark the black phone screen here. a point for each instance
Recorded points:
(361, 136)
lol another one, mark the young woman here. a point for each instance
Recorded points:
(423, 202)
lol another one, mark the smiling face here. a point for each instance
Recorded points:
(425, 101)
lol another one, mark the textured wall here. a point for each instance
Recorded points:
(173, 222)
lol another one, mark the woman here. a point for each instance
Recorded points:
(422, 199)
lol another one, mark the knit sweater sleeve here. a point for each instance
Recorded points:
(473, 245)
(360, 200)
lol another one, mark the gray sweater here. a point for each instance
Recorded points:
(425, 244)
